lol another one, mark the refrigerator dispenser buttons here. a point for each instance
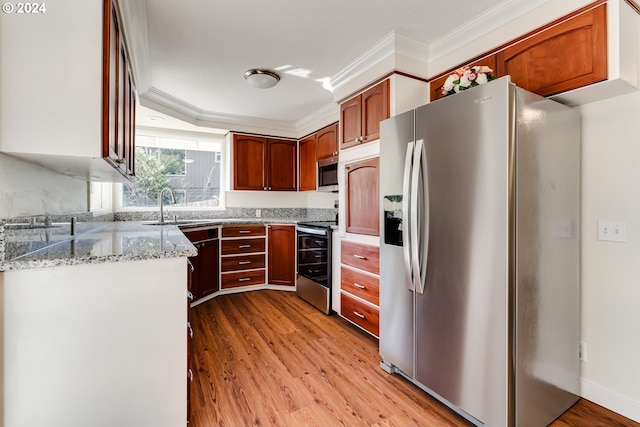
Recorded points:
(612, 231)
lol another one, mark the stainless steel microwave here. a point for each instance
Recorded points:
(328, 174)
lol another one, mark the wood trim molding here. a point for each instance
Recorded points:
(634, 5)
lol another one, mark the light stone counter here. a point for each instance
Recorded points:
(94, 243)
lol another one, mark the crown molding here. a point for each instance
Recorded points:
(413, 56)
(492, 19)
(155, 98)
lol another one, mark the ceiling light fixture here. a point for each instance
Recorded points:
(261, 78)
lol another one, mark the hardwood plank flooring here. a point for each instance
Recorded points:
(267, 358)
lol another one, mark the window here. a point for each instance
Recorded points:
(190, 165)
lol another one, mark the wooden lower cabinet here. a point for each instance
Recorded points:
(243, 278)
(364, 315)
(360, 285)
(204, 279)
(282, 254)
(242, 256)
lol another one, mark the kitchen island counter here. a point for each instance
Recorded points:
(93, 243)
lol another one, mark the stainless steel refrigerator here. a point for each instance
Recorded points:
(479, 255)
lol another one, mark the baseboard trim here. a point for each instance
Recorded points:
(611, 400)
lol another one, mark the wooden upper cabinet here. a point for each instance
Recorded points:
(563, 57)
(327, 142)
(361, 115)
(375, 108)
(118, 122)
(282, 171)
(264, 163)
(249, 159)
(362, 197)
(435, 86)
(307, 171)
(282, 255)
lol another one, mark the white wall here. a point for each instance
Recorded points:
(611, 271)
(27, 189)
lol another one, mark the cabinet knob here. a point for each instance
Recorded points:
(265, 188)
(190, 295)
(190, 375)
(269, 188)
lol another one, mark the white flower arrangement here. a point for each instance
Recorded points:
(467, 77)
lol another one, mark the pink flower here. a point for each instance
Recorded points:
(483, 69)
(472, 76)
(460, 71)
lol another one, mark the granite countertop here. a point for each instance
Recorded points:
(94, 243)
(26, 246)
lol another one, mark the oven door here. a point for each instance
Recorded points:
(314, 267)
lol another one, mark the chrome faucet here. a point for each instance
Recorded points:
(173, 200)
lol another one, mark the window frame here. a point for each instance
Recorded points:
(184, 135)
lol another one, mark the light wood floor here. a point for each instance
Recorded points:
(267, 358)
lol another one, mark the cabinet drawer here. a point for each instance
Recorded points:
(364, 257)
(242, 246)
(243, 231)
(242, 278)
(360, 313)
(360, 284)
(243, 262)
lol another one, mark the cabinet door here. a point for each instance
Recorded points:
(435, 86)
(327, 142)
(209, 266)
(282, 165)
(307, 171)
(350, 122)
(362, 194)
(249, 162)
(111, 48)
(562, 57)
(375, 108)
(282, 254)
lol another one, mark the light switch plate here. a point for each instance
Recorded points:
(612, 231)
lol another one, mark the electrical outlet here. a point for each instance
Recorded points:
(258, 213)
(582, 351)
(612, 231)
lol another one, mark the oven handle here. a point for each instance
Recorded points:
(316, 231)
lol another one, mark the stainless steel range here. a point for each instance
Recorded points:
(313, 283)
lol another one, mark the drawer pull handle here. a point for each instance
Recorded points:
(358, 285)
(190, 265)
(190, 375)
(318, 256)
(244, 279)
(190, 329)
(190, 295)
(319, 242)
(243, 246)
(358, 314)
(359, 256)
(244, 262)
(244, 231)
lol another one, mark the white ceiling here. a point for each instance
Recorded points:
(190, 56)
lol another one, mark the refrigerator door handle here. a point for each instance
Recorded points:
(406, 216)
(423, 214)
(415, 216)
